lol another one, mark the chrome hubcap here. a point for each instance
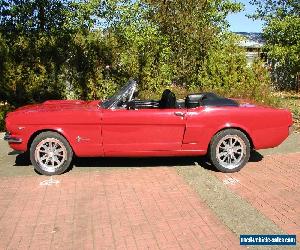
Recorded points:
(230, 151)
(50, 154)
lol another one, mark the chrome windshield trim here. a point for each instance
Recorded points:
(9, 138)
(127, 91)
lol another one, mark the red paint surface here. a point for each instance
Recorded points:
(145, 132)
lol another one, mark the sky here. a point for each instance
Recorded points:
(240, 23)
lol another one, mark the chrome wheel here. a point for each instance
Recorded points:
(230, 151)
(50, 154)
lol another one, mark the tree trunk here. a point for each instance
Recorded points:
(41, 14)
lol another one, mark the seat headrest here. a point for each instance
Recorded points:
(168, 99)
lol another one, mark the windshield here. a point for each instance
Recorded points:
(126, 92)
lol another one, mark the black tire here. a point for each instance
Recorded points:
(61, 155)
(222, 153)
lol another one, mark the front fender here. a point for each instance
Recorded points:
(83, 140)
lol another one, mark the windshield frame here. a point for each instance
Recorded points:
(126, 91)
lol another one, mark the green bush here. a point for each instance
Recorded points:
(4, 109)
(184, 49)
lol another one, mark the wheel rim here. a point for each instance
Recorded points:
(50, 154)
(231, 151)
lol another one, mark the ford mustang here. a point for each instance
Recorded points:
(123, 126)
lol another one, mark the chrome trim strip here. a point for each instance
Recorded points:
(9, 138)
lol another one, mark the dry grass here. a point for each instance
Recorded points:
(290, 100)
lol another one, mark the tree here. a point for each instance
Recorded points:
(166, 41)
(85, 49)
(281, 31)
(24, 17)
(191, 28)
(44, 42)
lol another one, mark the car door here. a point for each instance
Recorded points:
(142, 130)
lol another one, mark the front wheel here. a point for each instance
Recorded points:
(50, 153)
(229, 150)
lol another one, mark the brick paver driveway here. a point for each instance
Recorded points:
(273, 187)
(148, 208)
(125, 204)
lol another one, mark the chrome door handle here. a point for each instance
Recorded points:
(179, 114)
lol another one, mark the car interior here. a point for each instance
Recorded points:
(168, 101)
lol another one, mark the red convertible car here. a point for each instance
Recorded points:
(201, 124)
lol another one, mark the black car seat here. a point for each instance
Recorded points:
(168, 100)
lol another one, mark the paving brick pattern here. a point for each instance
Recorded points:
(273, 187)
(147, 208)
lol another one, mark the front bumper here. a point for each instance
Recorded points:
(12, 139)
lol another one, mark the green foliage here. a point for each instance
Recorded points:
(272, 9)
(4, 109)
(226, 72)
(283, 46)
(191, 29)
(30, 70)
(56, 49)
(282, 39)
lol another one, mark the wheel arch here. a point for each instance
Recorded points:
(237, 128)
(36, 133)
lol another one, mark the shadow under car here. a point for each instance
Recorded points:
(23, 159)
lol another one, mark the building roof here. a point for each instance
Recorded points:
(251, 40)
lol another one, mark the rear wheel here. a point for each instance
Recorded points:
(229, 150)
(50, 153)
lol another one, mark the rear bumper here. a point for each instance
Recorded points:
(291, 129)
(12, 139)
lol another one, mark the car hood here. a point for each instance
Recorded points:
(59, 105)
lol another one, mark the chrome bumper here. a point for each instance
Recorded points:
(11, 139)
(291, 129)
